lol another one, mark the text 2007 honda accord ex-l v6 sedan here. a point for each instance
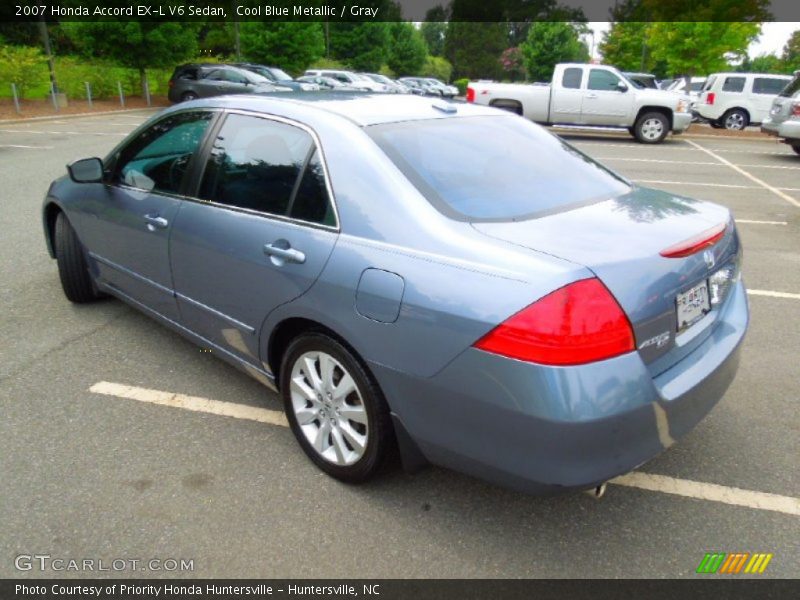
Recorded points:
(448, 279)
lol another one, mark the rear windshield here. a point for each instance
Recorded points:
(793, 87)
(499, 168)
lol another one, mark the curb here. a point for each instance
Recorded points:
(78, 115)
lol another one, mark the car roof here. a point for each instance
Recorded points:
(363, 109)
(734, 73)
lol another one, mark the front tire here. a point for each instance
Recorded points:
(735, 120)
(796, 148)
(335, 409)
(72, 268)
(651, 128)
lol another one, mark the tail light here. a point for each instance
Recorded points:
(710, 96)
(470, 94)
(696, 243)
(579, 323)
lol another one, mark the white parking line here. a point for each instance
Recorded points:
(645, 481)
(193, 403)
(691, 163)
(711, 492)
(717, 185)
(30, 147)
(772, 294)
(751, 177)
(750, 222)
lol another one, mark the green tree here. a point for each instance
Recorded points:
(21, 65)
(550, 43)
(702, 47)
(437, 67)
(791, 52)
(291, 45)
(434, 30)
(408, 51)
(363, 46)
(624, 45)
(136, 44)
(763, 63)
(474, 49)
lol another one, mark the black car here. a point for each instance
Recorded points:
(203, 80)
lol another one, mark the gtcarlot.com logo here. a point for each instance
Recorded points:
(46, 562)
(734, 563)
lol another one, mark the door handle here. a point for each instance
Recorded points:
(288, 254)
(155, 222)
(591, 95)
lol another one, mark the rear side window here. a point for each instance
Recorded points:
(768, 85)
(733, 84)
(256, 164)
(792, 88)
(600, 79)
(696, 86)
(572, 78)
(710, 83)
(158, 158)
(493, 168)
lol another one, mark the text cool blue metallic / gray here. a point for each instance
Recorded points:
(449, 279)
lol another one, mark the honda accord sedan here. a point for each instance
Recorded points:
(447, 280)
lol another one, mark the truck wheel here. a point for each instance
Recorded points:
(735, 119)
(651, 128)
(513, 107)
(72, 269)
(796, 148)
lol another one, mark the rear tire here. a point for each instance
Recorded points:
(72, 268)
(189, 96)
(796, 148)
(512, 107)
(347, 434)
(651, 128)
(735, 120)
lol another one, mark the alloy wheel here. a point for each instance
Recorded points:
(734, 121)
(329, 408)
(652, 129)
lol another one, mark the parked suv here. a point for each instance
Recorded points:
(192, 81)
(784, 117)
(736, 100)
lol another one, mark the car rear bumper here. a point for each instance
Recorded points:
(681, 122)
(545, 429)
(788, 129)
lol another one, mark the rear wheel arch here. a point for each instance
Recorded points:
(514, 106)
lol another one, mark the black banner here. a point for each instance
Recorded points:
(712, 587)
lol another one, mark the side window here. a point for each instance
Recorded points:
(216, 75)
(600, 79)
(572, 78)
(255, 163)
(311, 203)
(733, 84)
(768, 85)
(235, 77)
(158, 158)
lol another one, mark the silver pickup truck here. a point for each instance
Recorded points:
(590, 96)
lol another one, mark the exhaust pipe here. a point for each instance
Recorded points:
(597, 492)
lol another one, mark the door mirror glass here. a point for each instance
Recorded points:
(86, 170)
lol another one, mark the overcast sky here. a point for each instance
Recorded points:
(773, 37)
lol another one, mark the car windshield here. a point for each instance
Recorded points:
(253, 77)
(791, 89)
(280, 75)
(494, 168)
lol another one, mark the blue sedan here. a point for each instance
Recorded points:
(445, 279)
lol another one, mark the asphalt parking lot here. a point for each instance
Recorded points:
(100, 476)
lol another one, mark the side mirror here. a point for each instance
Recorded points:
(86, 170)
(621, 87)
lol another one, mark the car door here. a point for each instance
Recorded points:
(131, 225)
(604, 102)
(567, 97)
(259, 233)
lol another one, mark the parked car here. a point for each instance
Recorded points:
(431, 87)
(784, 117)
(590, 95)
(642, 80)
(327, 83)
(192, 81)
(392, 86)
(691, 86)
(349, 78)
(278, 77)
(476, 290)
(414, 87)
(736, 100)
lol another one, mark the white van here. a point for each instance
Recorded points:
(736, 100)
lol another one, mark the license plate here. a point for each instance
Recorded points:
(692, 305)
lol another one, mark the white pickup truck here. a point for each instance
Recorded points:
(590, 96)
